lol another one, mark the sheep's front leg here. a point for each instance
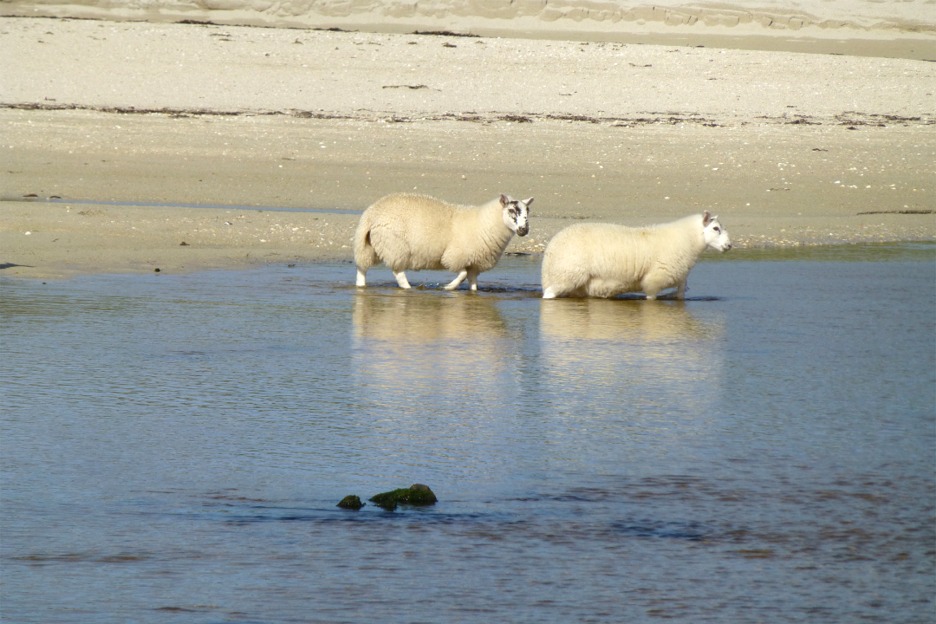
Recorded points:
(458, 280)
(681, 290)
(473, 280)
(401, 279)
(361, 278)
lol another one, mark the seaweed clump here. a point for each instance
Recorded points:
(416, 494)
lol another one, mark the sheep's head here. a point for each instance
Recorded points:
(714, 234)
(516, 214)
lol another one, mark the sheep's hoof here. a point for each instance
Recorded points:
(549, 293)
(401, 280)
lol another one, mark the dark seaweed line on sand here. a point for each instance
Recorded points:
(851, 119)
(897, 212)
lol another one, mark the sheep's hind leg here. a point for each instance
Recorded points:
(653, 284)
(401, 279)
(549, 293)
(458, 280)
(361, 278)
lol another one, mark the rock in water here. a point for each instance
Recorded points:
(416, 494)
(351, 502)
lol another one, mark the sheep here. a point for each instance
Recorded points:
(411, 231)
(606, 259)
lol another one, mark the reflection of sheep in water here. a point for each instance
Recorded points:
(408, 321)
(625, 321)
(606, 259)
(416, 351)
(408, 231)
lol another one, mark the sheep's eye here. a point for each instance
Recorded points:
(717, 229)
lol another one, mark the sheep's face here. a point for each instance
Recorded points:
(516, 214)
(714, 234)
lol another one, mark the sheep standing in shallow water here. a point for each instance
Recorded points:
(606, 259)
(408, 231)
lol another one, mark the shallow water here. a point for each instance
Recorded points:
(173, 446)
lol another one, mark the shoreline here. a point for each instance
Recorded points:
(85, 239)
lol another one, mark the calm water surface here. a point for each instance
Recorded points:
(173, 447)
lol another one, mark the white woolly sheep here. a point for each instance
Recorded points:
(409, 231)
(606, 259)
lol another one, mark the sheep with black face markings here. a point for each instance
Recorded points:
(411, 231)
(607, 259)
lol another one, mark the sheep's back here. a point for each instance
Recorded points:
(410, 230)
(603, 248)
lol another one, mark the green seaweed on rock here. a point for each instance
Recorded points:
(351, 502)
(416, 494)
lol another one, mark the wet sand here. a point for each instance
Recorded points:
(136, 146)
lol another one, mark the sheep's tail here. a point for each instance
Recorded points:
(364, 254)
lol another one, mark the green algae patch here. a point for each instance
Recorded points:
(351, 502)
(416, 494)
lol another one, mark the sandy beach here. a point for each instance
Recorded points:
(136, 145)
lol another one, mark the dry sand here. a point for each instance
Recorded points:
(130, 146)
(900, 28)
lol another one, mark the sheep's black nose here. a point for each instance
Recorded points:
(523, 231)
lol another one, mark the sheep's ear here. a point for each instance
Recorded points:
(504, 199)
(706, 218)
(528, 202)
